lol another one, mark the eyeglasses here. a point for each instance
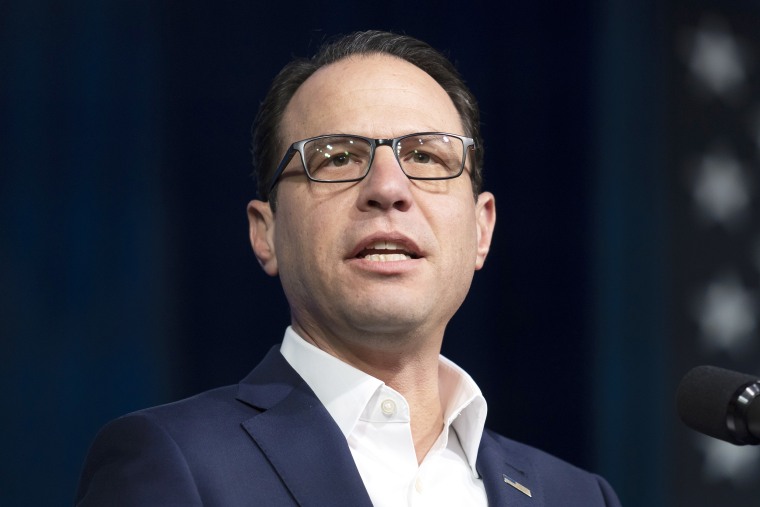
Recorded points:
(342, 158)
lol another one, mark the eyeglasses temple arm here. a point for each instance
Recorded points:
(280, 168)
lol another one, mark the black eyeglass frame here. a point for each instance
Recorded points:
(468, 143)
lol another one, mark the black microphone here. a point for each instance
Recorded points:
(721, 403)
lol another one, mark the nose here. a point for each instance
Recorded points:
(386, 186)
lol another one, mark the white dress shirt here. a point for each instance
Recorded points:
(375, 420)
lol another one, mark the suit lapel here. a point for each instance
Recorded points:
(496, 463)
(311, 456)
(300, 438)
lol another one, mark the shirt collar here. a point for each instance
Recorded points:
(342, 389)
(345, 391)
(465, 407)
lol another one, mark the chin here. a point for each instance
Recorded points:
(394, 324)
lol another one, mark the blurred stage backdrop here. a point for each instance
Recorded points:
(622, 143)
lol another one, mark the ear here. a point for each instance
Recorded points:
(485, 219)
(261, 231)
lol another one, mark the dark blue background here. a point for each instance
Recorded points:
(125, 271)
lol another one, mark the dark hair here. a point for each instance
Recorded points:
(267, 144)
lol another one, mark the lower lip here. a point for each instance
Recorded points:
(385, 267)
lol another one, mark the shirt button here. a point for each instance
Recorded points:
(418, 485)
(388, 407)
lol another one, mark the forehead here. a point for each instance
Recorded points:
(372, 95)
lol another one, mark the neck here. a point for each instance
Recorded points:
(409, 366)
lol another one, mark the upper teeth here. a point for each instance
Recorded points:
(385, 245)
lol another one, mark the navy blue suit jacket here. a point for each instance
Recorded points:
(269, 442)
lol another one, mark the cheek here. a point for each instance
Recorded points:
(456, 231)
(289, 243)
(302, 244)
(294, 262)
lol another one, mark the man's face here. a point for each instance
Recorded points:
(325, 239)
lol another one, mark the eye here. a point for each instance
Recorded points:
(421, 157)
(339, 159)
(334, 161)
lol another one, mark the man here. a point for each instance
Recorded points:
(369, 167)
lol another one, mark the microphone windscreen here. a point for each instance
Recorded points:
(704, 396)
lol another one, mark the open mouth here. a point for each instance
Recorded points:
(386, 251)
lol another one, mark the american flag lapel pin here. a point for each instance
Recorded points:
(519, 487)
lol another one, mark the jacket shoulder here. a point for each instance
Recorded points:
(556, 480)
(174, 454)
